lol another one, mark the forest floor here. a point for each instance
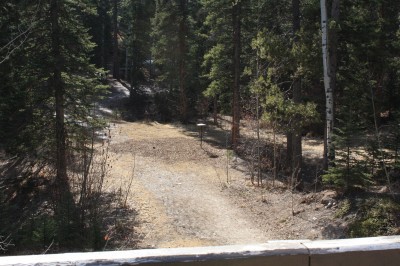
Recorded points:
(185, 193)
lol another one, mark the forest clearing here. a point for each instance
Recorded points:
(183, 197)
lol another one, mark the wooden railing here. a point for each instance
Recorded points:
(374, 251)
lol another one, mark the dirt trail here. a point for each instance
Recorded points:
(178, 194)
(182, 197)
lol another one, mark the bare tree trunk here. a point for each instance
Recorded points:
(126, 64)
(328, 144)
(258, 100)
(289, 150)
(259, 179)
(103, 46)
(236, 10)
(275, 176)
(115, 41)
(333, 43)
(182, 61)
(215, 111)
(103, 18)
(59, 93)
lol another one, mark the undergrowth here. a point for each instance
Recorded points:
(369, 216)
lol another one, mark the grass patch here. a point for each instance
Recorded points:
(344, 208)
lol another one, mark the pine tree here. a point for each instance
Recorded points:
(135, 26)
(115, 24)
(295, 151)
(217, 59)
(350, 168)
(222, 61)
(56, 86)
(99, 24)
(173, 33)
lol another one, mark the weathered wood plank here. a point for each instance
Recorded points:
(347, 252)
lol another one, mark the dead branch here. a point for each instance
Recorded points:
(5, 242)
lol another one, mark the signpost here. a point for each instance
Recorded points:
(201, 126)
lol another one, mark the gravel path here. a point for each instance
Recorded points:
(182, 198)
(180, 202)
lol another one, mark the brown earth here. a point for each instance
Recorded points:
(188, 195)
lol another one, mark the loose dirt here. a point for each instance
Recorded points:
(187, 194)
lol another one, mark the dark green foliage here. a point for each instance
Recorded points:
(367, 52)
(98, 21)
(370, 215)
(175, 50)
(37, 233)
(282, 113)
(218, 61)
(377, 217)
(351, 167)
(165, 48)
(27, 107)
(135, 27)
(347, 173)
(28, 104)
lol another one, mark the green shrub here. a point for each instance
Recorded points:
(354, 174)
(344, 208)
(376, 217)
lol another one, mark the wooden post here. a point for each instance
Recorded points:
(201, 126)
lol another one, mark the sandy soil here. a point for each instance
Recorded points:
(187, 195)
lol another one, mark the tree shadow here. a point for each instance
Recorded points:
(334, 231)
(28, 215)
(212, 135)
(118, 224)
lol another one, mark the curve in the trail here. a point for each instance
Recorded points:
(179, 203)
(177, 192)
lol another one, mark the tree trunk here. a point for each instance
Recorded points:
(328, 144)
(215, 111)
(103, 47)
(236, 9)
(332, 45)
(126, 64)
(182, 61)
(289, 150)
(297, 158)
(59, 94)
(275, 176)
(115, 42)
(103, 18)
(332, 48)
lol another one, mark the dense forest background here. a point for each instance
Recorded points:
(255, 59)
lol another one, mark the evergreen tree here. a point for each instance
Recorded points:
(116, 33)
(100, 29)
(55, 85)
(217, 59)
(222, 61)
(173, 35)
(136, 30)
(366, 53)
(351, 165)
